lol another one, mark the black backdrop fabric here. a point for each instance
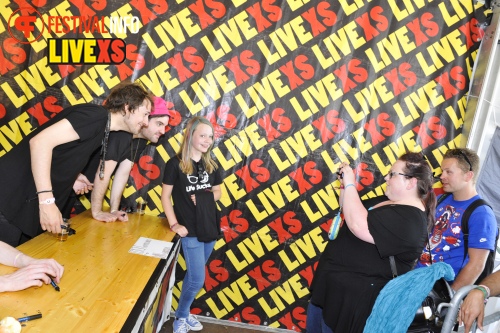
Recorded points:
(293, 87)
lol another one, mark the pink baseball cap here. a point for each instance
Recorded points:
(160, 107)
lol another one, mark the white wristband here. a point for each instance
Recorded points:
(48, 201)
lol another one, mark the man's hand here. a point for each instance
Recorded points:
(104, 217)
(121, 215)
(116, 215)
(82, 185)
(50, 218)
(472, 308)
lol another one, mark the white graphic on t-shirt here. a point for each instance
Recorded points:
(192, 179)
(204, 178)
(199, 183)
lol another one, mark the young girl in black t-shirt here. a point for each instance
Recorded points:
(192, 181)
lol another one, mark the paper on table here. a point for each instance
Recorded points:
(151, 248)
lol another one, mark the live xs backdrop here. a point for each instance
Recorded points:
(292, 87)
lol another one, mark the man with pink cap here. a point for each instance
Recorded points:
(122, 152)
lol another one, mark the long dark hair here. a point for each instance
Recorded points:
(417, 166)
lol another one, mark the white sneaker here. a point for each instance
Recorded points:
(193, 323)
(181, 325)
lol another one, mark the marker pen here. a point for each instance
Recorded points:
(32, 317)
(56, 287)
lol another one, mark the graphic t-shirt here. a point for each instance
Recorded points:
(447, 241)
(183, 186)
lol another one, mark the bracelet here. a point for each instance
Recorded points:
(15, 259)
(48, 201)
(173, 225)
(487, 289)
(484, 289)
(44, 191)
(345, 187)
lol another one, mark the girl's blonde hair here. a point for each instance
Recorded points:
(185, 157)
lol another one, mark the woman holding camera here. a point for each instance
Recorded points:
(355, 266)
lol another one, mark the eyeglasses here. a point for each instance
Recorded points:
(459, 152)
(394, 173)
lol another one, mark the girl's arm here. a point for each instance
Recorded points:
(217, 192)
(168, 208)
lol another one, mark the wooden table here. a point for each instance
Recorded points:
(104, 288)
